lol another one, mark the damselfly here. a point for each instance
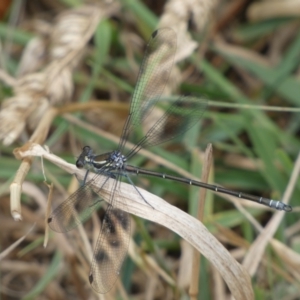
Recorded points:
(180, 115)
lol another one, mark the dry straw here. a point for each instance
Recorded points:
(36, 94)
(194, 286)
(189, 228)
(264, 10)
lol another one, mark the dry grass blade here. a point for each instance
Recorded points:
(16, 187)
(266, 10)
(173, 218)
(290, 258)
(257, 248)
(48, 211)
(53, 52)
(6, 252)
(177, 12)
(194, 289)
(37, 93)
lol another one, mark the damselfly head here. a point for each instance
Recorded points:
(84, 157)
(80, 163)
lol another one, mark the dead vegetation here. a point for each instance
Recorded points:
(66, 78)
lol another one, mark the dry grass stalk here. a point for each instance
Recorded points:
(196, 261)
(290, 258)
(257, 249)
(36, 93)
(48, 211)
(16, 189)
(6, 252)
(38, 136)
(219, 290)
(263, 10)
(171, 217)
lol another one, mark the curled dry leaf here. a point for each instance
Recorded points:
(13, 116)
(33, 56)
(178, 13)
(175, 16)
(171, 217)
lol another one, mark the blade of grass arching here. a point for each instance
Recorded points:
(103, 44)
(265, 143)
(236, 95)
(52, 271)
(252, 31)
(240, 146)
(287, 86)
(145, 18)
(229, 89)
